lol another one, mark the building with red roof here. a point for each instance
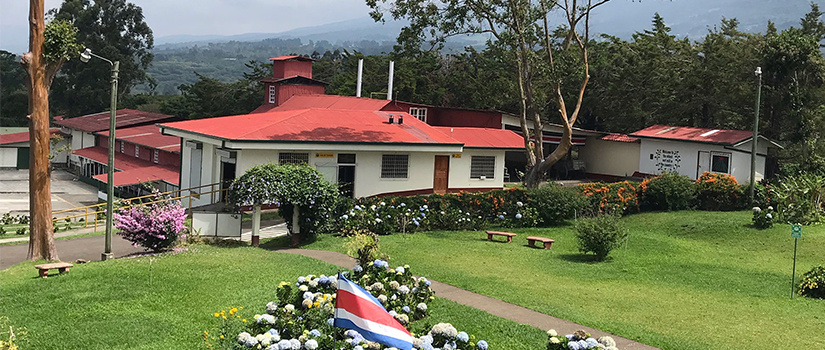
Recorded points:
(81, 130)
(14, 149)
(143, 156)
(368, 146)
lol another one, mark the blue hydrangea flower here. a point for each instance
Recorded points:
(482, 345)
(317, 333)
(357, 269)
(330, 321)
(582, 344)
(591, 342)
(400, 269)
(358, 207)
(463, 337)
(501, 217)
(518, 216)
(403, 204)
(574, 346)
(302, 279)
(323, 279)
(345, 217)
(428, 283)
(406, 309)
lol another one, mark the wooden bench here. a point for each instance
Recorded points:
(60, 266)
(531, 241)
(509, 235)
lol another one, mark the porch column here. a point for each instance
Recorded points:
(256, 225)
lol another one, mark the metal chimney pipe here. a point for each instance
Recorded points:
(360, 74)
(389, 85)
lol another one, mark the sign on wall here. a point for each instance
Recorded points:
(667, 160)
(324, 155)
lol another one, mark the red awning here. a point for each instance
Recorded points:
(141, 175)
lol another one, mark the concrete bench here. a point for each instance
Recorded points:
(531, 241)
(509, 235)
(60, 266)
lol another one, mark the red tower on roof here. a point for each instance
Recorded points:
(291, 75)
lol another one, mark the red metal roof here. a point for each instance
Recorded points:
(22, 136)
(147, 135)
(686, 133)
(100, 121)
(483, 137)
(131, 170)
(317, 125)
(141, 175)
(290, 57)
(620, 138)
(332, 102)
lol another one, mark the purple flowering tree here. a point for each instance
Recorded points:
(154, 227)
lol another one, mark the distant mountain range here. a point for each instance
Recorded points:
(620, 18)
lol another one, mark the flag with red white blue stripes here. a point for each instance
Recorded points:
(357, 309)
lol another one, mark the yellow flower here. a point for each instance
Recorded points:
(221, 336)
(244, 320)
(217, 314)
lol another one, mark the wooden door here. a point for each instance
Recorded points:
(703, 164)
(442, 174)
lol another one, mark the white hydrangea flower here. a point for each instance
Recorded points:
(303, 288)
(607, 341)
(306, 303)
(382, 298)
(311, 344)
(403, 290)
(266, 319)
(444, 329)
(394, 284)
(271, 307)
(289, 307)
(295, 344)
(421, 307)
(552, 333)
(313, 283)
(242, 337)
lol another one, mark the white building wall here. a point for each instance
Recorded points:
(60, 157)
(8, 157)
(80, 140)
(610, 157)
(657, 156)
(460, 170)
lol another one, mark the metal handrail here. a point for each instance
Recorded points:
(130, 203)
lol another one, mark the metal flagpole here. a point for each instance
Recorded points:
(335, 314)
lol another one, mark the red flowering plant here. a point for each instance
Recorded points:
(612, 198)
(717, 191)
(153, 226)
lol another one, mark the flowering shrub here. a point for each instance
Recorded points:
(287, 186)
(813, 283)
(614, 198)
(458, 211)
(301, 317)
(579, 340)
(669, 191)
(154, 226)
(763, 219)
(716, 191)
(599, 235)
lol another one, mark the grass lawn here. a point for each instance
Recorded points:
(167, 302)
(685, 280)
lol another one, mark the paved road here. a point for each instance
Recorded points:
(66, 192)
(69, 250)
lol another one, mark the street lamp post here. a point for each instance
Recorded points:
(110, 187)
(758, 73)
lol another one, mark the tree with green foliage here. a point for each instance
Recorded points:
(549, 75)
(209, 97)
(114, 29)
(13, 95)
(49, 47)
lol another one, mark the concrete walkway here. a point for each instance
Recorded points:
(493, 306)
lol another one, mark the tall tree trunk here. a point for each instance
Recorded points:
(41, 241)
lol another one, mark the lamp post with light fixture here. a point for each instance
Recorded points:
(110, 188)
(758, 73)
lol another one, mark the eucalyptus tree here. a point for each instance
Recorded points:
(523, 27)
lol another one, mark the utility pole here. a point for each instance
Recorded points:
(758, 73)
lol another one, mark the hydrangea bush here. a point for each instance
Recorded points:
(454, 211)
(302, 315)
(154, 226)
(579, 340)
(763, 218)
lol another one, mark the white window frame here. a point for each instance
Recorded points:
(272, 94)
(477, 162)
(720, 154)
(401, 170)
(293, 158)
(156, 156)
(420, 113)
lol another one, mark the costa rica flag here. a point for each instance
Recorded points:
(357, 309)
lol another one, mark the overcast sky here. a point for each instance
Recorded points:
(197, 17)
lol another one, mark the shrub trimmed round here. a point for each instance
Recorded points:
(668, 192)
